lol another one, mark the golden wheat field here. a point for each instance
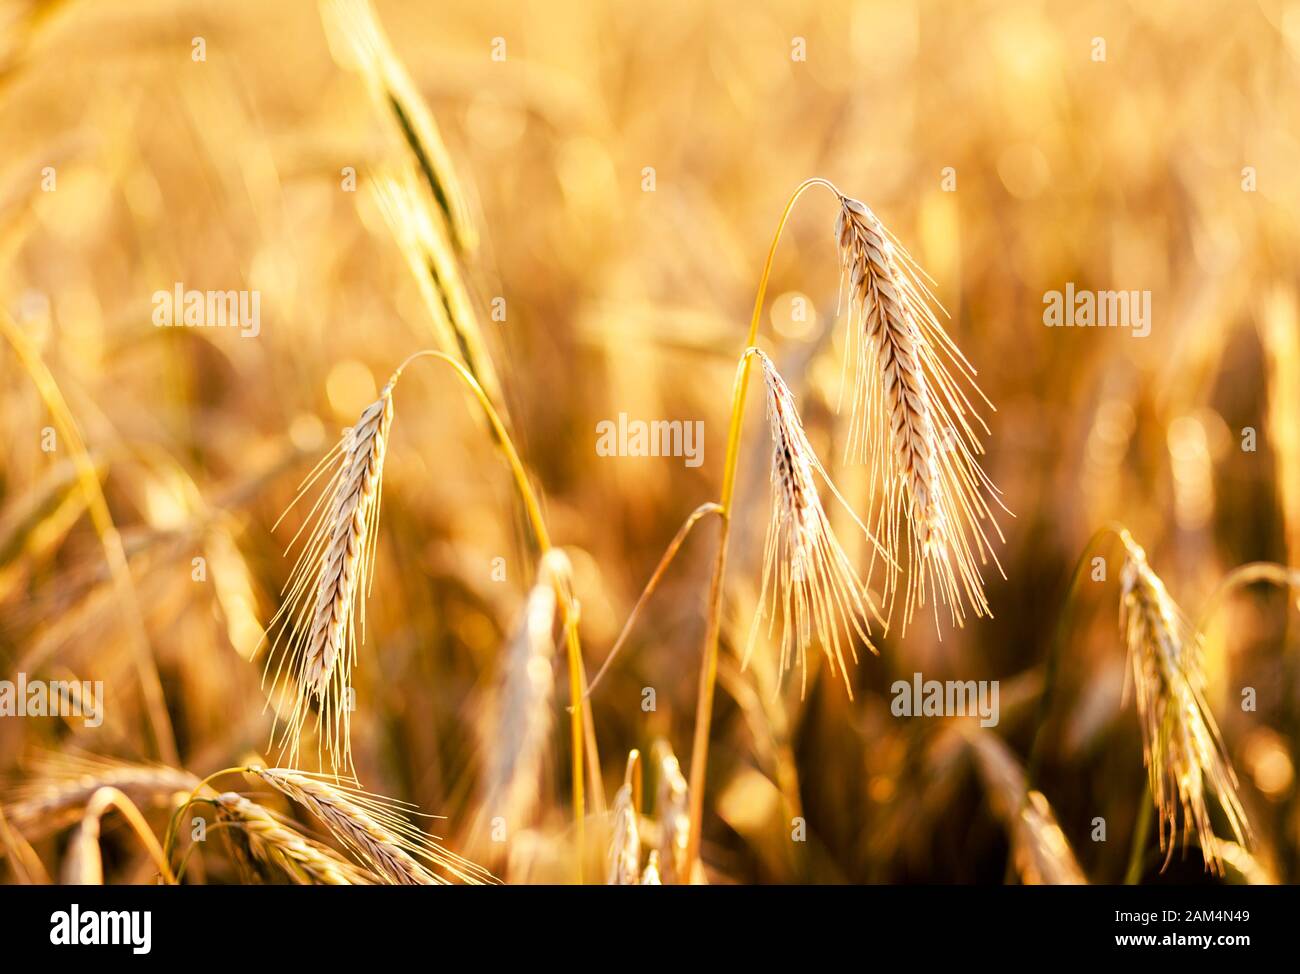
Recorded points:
(715, 443)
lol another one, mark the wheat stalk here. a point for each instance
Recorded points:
(1181, 745)
(911, 420)
(804, 566)
(276, 844)
(330, 578)
(84, 865)
(518, 724)
(374, 829)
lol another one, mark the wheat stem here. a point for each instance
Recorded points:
(709, 664)
(1141, 830)
(669, 554)
(577, 679)
(109, 538)
(83, 859)
(1056, 652)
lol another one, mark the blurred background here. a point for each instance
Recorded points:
(624, 166)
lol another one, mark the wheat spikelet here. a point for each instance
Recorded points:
(1180, 740)
(330, 578)
(912, 422)
(1039, 849)
(624, 857)
(62, 785)
(650, 876)
(277, 845)
(672, 805)
(518, 724)
(803, 564)
(374, 829)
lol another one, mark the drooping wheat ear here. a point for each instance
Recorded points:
(332, 575)
(1181, 744)
(1039, 849)
(278, 847)
(514, 734)
(624, 858)
(803, 564)
(374, 829)
(914, 424)
(672, 806)
(359, 43)
(61, 785)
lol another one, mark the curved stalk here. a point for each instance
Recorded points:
(107, 797)
(1242, 575)
(669, 554)
(709, 663)
(581, 709)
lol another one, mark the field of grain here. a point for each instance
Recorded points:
(666, 442)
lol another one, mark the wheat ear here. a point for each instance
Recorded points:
(1181, 744)
(277, 845)
(359, 43)
(804, 566)
(914, 424)
(514, 734)
(1039, 849)
(61, 785)
(374, 829)
(316, 620)
(672, 806)
(624, 857)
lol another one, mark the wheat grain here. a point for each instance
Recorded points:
(804, 566)
(374, 829)
(1181, 744)
(276, 844)
(912, 422)
(331, 577)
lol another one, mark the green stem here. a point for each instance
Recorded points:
(1141, 832)
(1052, 671)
